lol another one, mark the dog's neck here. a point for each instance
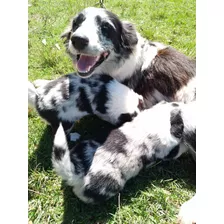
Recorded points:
(136, 61)
(128, 66)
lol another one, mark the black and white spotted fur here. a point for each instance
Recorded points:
(97, 172)
(70, 98)
(99, 42)
(153, 70)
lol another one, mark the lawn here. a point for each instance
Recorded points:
(156, 194)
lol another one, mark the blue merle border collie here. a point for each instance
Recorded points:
(99, 171)
(69, 98)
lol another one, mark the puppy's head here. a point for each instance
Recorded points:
(95, 36)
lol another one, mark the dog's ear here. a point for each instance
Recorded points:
(66, 34)
(128, 36)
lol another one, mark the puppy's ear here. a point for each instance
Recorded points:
(66, 34)
(128, 36)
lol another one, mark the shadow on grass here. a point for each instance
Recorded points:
(41, 158)
(90, 127)
(76, 211)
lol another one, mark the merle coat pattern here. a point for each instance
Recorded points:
(70, 98)
(97, 172)
(98, 42)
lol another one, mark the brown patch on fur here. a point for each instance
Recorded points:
(141, 105)
(170, 71)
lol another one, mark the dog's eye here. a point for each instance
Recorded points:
(106, 29)
(74, 25)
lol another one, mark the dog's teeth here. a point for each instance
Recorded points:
(105, 54)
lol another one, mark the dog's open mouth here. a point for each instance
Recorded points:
(87, 63)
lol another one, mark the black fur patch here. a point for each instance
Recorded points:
(71, 88)
(77, 21)
(51, 116)
(190, 138)
(83, 102)
(151, 43)
(99, 182)
(79, 159)
(94, 84)
(67, 125)
(173, 152)
(83, 81)
(109, 32)
(100, 99)
(64, 109)
(175, 104)
(123, 36)
(116, 142)
(105, 78)
(58, 153)
(53, 101)
(64, 90)
(126, 118)
(176, 122)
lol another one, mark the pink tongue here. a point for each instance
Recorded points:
(85, 63)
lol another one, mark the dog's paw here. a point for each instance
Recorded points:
(40, 82)
(74, 136)
(187, 213)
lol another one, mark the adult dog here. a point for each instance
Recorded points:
(99, 42)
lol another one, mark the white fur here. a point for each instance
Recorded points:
(31, 95)
(188, 212)
(187, 93)
(63, 167)
(40, 82)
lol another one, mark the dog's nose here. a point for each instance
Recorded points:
(79, 42)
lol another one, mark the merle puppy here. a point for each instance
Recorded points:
(98, 42)
(97, 172)
(70, 98)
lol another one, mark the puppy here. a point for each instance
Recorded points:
(70, 98)
(97, 172)
(98, 41)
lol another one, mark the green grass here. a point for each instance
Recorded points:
(156, 194)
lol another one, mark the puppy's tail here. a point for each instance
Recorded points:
(61, 156)
(32, 93)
